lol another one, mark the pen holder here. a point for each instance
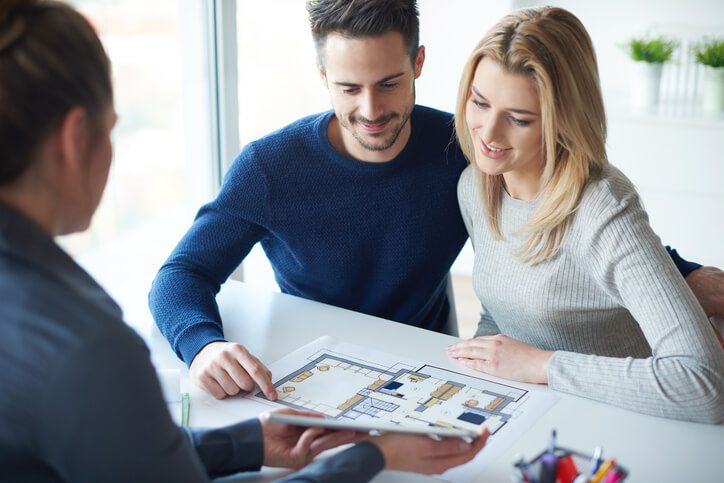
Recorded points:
(567, 466)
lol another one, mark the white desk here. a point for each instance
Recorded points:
(271, 325)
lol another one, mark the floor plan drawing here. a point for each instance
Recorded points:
(342, 387)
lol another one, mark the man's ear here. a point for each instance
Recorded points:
(419, 61)
(73, 139)
(322, 73)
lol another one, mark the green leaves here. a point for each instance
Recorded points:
(651, 50)
(710, 52)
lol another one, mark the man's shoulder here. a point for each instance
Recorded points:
(433, 131)
(433, 126)
(299, 130)
(432, 115)
(301, 136)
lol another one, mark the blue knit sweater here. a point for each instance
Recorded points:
(377, 238)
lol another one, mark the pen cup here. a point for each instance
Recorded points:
(571, 466)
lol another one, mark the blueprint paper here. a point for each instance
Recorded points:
(346, 381)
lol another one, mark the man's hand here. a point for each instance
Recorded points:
(421, 454)
(503, 356)
(707, 283)
(296, 446)
(225, 368)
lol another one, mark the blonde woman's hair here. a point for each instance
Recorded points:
(550, 47)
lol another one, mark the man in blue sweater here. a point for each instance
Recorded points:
(354, 207)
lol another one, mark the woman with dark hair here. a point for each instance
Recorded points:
(79, 398)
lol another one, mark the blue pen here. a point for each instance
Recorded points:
(596, 460)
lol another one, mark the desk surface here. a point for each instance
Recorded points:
(271, 325)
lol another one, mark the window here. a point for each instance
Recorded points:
(162, 169)
(278, 83)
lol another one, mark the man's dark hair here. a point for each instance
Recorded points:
(364, 18)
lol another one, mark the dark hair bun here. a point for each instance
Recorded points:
(13, 19)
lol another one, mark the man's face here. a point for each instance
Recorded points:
(371, 84)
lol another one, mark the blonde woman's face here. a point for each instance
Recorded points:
(503, 117)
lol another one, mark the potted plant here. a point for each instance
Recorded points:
(649, 54)
(710, 54)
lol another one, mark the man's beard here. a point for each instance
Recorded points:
(348, 124)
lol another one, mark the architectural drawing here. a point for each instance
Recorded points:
(342, 387)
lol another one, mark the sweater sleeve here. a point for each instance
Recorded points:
(683, 377)
(486, 325)
(183, 295)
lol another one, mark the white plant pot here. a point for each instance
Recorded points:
(645, 84)
(712, 98)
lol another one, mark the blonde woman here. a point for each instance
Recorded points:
(576, 288)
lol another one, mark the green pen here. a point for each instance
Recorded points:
(185, 409)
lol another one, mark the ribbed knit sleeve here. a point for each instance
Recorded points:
(683, 376)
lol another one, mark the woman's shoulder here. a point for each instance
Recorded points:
(608, 209)
(466, 183)
(468, 188)
(611, 190)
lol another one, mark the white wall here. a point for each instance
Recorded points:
(678, 167)
(449, 30)
(613, 22)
